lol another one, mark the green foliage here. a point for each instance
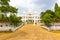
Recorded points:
(12, 9)
(4, 2)
(57, 12)
(2, 17)
(56, 7)
(47, 16)
(51, 17)
(6, 8)
(13, 19)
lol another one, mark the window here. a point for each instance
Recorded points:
(35, 17)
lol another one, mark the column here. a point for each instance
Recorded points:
(37, 20)
(25, 19)
(34, 20)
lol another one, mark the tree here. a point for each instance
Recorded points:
(47, 16)
(13, 19)
(56, 7)
(51, 17)
(2, 18)
(4, 2)
(57, 12)
(12, 9)
(6, 8)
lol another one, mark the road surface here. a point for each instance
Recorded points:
(30, 32)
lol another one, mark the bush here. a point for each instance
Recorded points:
(13, 19)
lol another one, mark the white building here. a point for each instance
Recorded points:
(30, 16)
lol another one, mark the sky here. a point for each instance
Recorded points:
(33, 5)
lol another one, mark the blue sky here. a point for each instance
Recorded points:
(33, 5)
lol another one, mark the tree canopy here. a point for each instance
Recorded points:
(6, 8)
(4, 2)
(47, 16)
(50, 16)
(13, 19)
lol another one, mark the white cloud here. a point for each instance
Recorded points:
(27, 4)
(22, 3)
(31, 5)
(58, 1)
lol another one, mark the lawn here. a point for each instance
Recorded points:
(30, 32)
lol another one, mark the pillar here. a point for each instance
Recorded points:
(34, 20)
(25, 19)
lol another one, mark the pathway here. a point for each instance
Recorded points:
(30, 32)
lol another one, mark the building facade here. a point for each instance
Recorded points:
(30, 17)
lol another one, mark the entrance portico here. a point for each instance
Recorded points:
(32, 17)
